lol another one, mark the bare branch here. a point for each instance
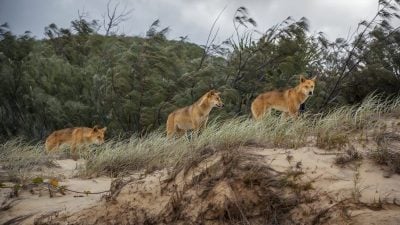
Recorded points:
(208, 43)
(114, 16)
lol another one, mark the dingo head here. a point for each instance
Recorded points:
(97, 135)
(214, 98)
(306, 86)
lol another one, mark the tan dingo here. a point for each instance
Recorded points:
(193, 117)
(75, 136)
(287, 101)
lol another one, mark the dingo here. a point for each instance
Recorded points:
(75, 136)
(195, 116)
(287, 101)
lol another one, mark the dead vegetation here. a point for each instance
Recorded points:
(223, 186)
(387, 151)
(350, 155)
(227, 187)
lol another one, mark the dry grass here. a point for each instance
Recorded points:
(349, 155)
(388, 150)
(333, 129)
(155, 151)
(18, 154)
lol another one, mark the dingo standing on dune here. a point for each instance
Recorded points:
(75, 136)
(287, 101)
(195, 116)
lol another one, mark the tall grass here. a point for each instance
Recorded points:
(155, 151)
(332, 129)
(19, 154)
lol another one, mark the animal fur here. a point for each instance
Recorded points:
(193, 117)
(75, 136)
(287, 101)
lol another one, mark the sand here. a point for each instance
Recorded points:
(360, 192)
(40, 202)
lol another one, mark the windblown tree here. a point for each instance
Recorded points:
(283, 52)
(78, 77)
(358, 48)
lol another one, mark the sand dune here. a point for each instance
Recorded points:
(243, 185)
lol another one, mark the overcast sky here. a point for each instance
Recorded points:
(189, 17)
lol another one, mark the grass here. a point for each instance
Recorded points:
(19, 154)
(333, 129)
(387, 151)
(154, 151)
(349, 155)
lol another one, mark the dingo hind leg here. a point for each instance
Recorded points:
(52, 142)
(51, 145)
(259, 109)
(171, 127)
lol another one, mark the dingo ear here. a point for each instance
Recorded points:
(302, 79)
(211, 93)
(104, 129)
(215, 92)
(96, 128)
(314, 78)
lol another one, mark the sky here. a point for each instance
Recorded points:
(189, 17)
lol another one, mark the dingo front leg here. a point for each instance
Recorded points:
(293, 113)
(73, 151)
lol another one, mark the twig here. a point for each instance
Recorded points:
(85, 192)
(316, 219)
(6, 205)
(327, 153)
(207, 45)
(17, 220)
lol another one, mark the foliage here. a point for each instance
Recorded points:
(78, 77)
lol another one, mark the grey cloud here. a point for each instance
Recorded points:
(190, 17)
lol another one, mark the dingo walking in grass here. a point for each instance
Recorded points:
(75, 136)
(193, 117)
(287, 101)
